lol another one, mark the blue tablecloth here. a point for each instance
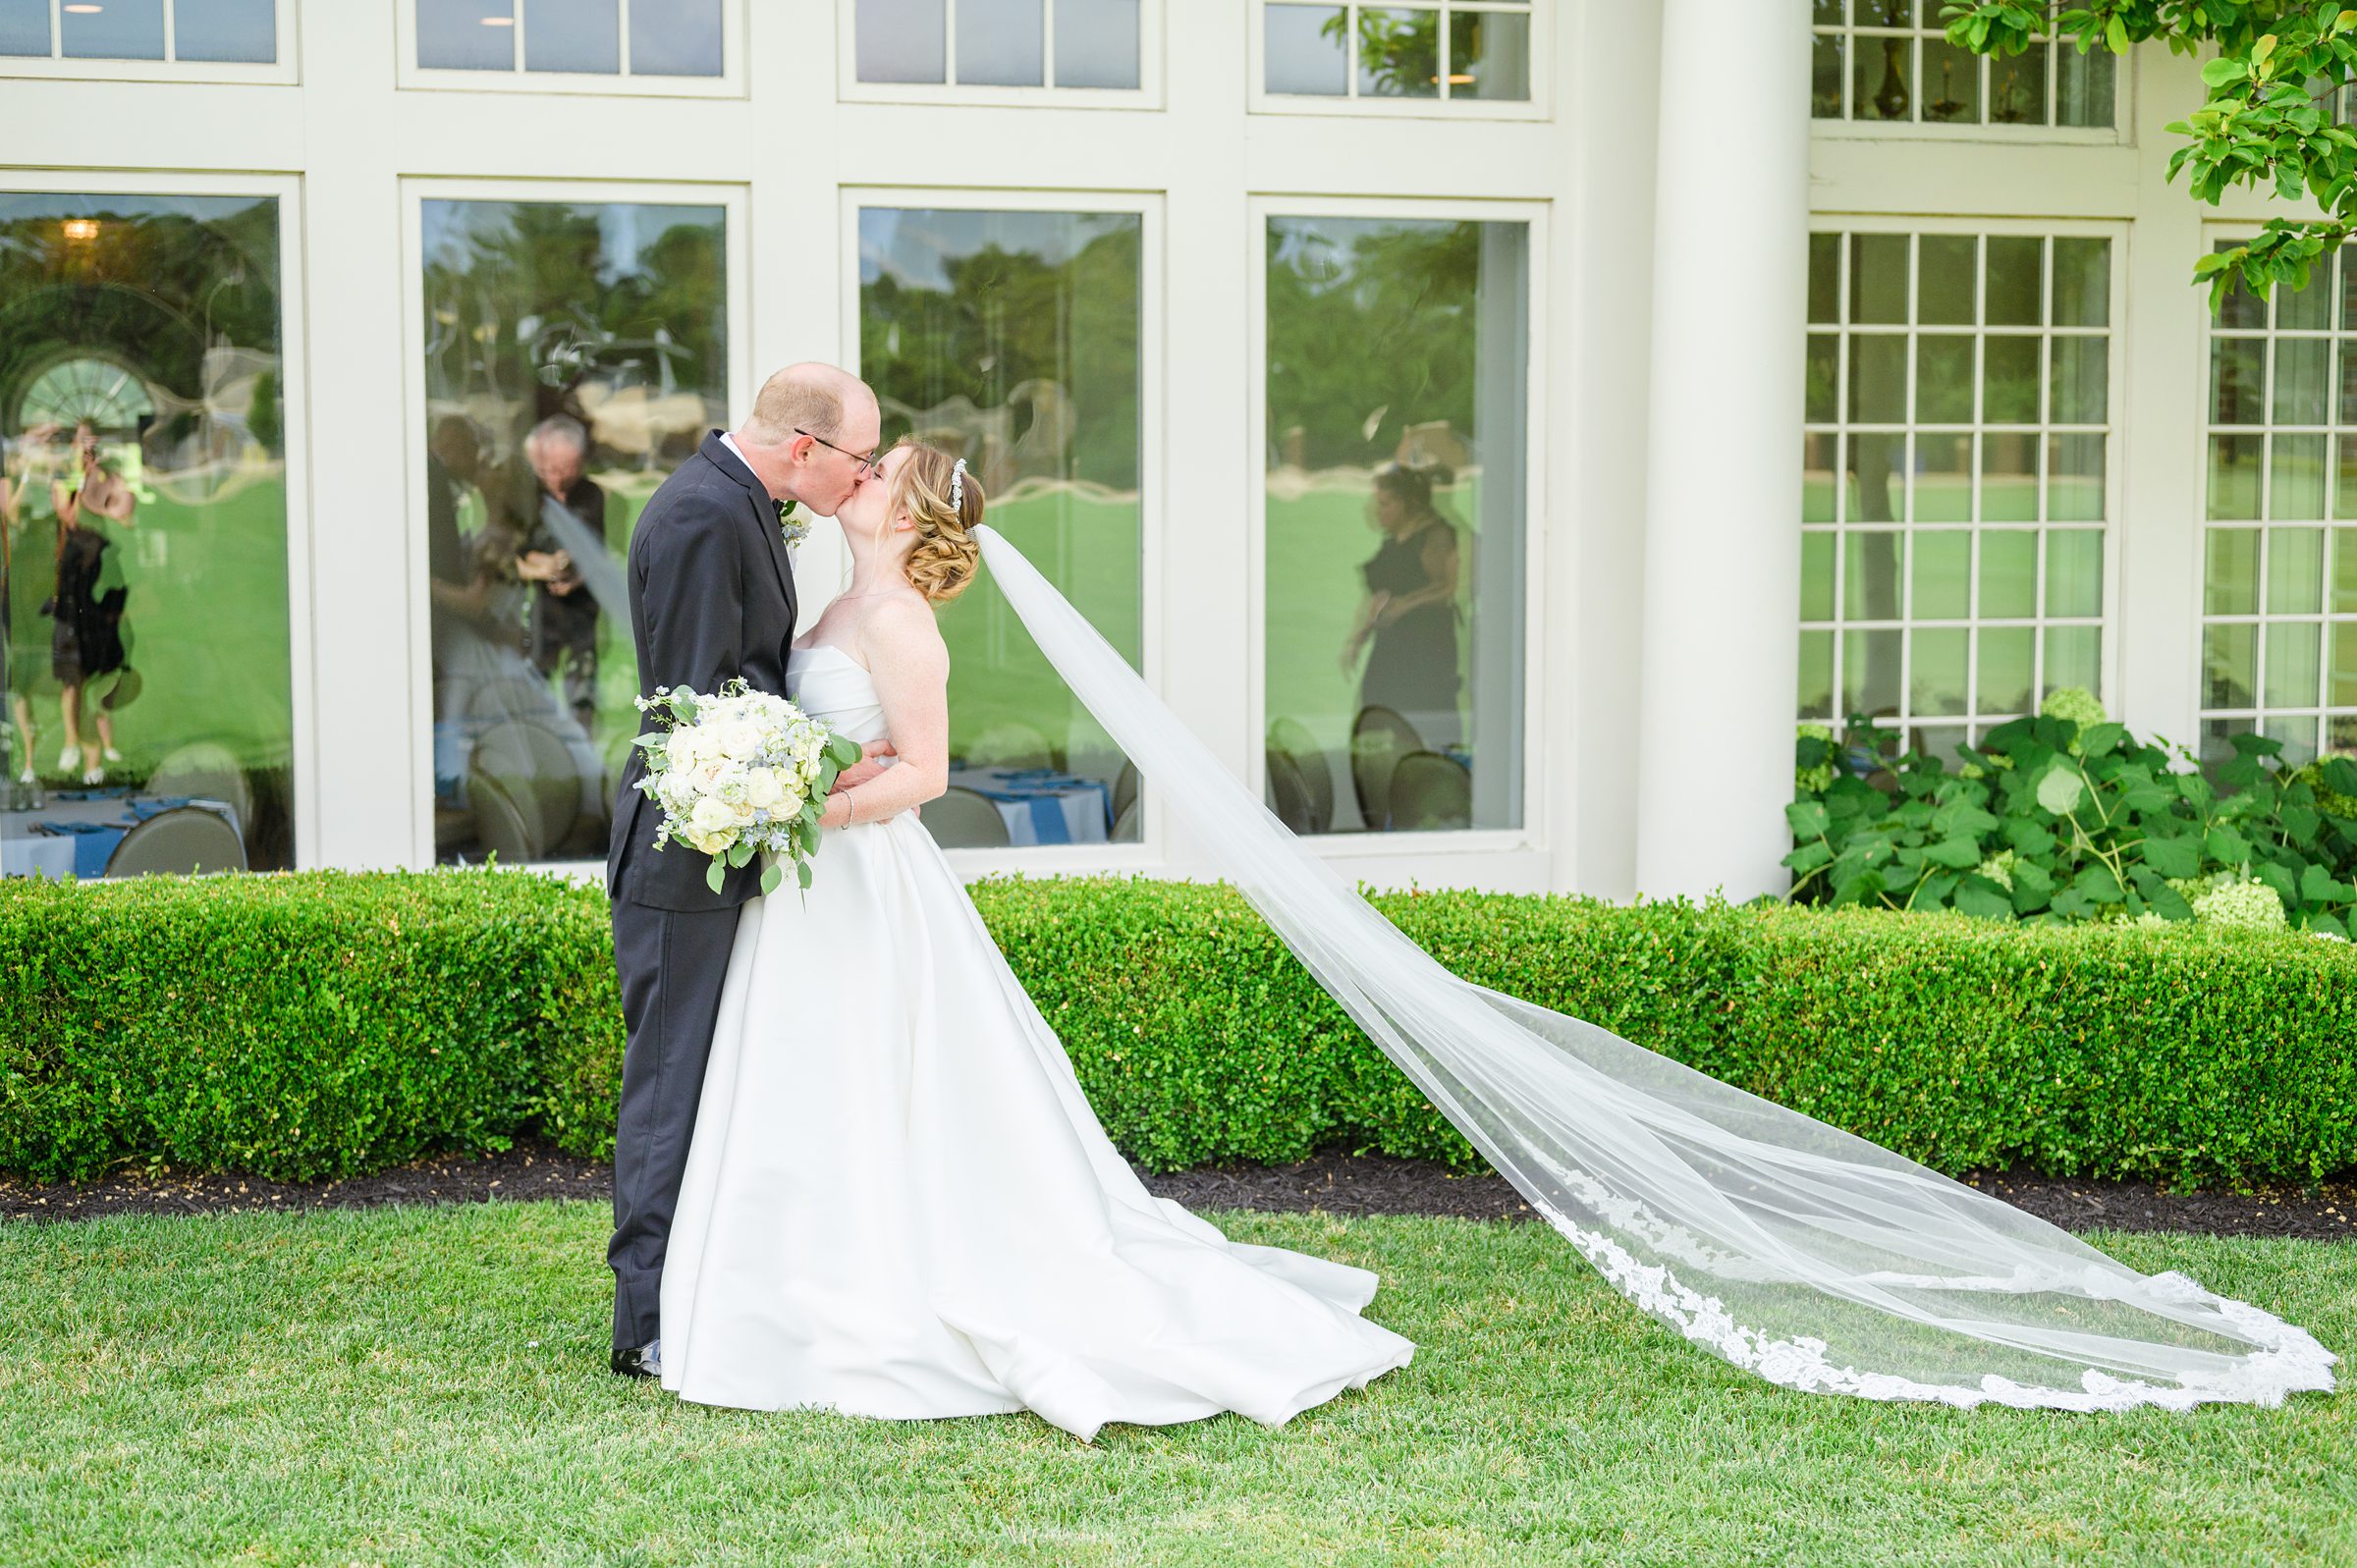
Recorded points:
(94, 821)
(1042, 806)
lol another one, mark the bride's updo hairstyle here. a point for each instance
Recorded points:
(947, 553)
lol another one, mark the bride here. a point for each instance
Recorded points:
(897, 1201)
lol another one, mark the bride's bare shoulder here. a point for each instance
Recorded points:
(900, 629)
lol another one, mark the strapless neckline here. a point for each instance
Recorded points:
(792, 654)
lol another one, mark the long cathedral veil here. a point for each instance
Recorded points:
(1799, 1252)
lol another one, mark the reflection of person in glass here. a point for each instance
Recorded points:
(564, 616)
(87, 642)
(1409, 609)
(21, 490)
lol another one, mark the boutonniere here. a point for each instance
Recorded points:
(791, 529)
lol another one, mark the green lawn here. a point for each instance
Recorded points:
(427, 1385)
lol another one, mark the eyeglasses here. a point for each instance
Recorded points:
(866, 464)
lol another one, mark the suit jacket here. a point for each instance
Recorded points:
(711, 599)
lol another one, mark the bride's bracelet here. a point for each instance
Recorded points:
(850, 807)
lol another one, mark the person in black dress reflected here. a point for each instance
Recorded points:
(1409, 609)
(88, 640)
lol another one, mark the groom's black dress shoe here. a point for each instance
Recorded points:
(636, 1362)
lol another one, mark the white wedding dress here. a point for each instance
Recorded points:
(899, 1203)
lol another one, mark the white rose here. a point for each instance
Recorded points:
(763, 791)
(740, 739)
(685, 748)
(711, 816)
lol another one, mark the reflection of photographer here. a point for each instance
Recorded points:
(86, 642)
(563, 635)
(1409, 608)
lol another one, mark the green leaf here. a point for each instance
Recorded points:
(1808, 819)
(2280, 877)
(2060, 791)
(2222, 70)
(1956, 853)
(2097, 740)
(2340, 775)
(2095, 883)
(1984, 899)
(739, 853)
(801, 874)
(2115, 35)
(842, 750)
(1809, 856)
(2227, 846)
(715, 874)
(771, 876)
(2318, 887)
(2173, 857)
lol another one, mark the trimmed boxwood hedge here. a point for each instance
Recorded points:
(333, 1023)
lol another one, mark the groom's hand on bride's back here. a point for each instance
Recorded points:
(866, 767)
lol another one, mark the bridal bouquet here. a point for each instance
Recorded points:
(737, 771)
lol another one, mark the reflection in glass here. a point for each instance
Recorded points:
(25, 28)
(467, 35)
(1307, 54)
(2230, 663)
(678, 38)
(582, 35)
(1001, 44)
(144, 612)
(2292, 669)
(1489, 56)
(1397, 371)
(1950, 266)
(1096, 44)
(1828, 52)
(902, 40)
(119, 29)
(1883, 73)
(2017, 87)
(245, 31)
(1951, 84)
(1012, 340)
(2008, 574)
(2074, 572)
(2295, 572)
(574, 354)
(2231, 580)
(2084, 87)
(1398, 53)
(1942, 576)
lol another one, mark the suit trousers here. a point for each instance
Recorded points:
(671, 963)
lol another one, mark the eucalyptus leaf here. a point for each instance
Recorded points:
(771, 875)
(714, 874)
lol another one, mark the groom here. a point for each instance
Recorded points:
(711, 599)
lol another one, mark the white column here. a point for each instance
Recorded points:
(1720, 644)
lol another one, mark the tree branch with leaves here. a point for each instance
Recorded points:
(2269, 122)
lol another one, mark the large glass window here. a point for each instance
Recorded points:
(1012, 340)
(574, 354)
(1436, 49)
(1959, 450)
(1890, 62)
(2280, 579)
(1397, 512)
(1000, 43)
(224, 31)
(144, 509)
(572, 37)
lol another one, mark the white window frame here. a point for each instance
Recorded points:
(306, 766)
(2115, 522)
(1850, 127)
(2257, 713)
(1148, 853)
(1539, 106)
(735, 201)
(730, 84)
(75, 68)
(1444, 848)
(1147, 95)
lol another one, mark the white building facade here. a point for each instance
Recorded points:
(1489, 428)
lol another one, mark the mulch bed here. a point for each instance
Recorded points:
(1334, 1183)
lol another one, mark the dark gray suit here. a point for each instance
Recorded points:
(711, 599)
